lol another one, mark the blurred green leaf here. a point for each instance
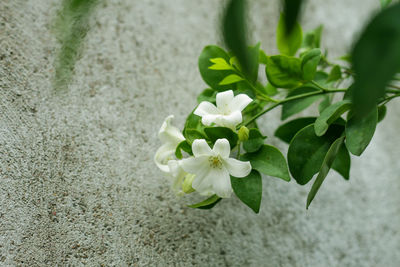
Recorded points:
(185, 146)
(342, 162)
(255, 141)
(385, 3)
(295, 106)
(376, 58)
(325, 167)
(359, 132)
(215, 133)
(270, 161)
(207, 95)
(329, 115)
(206, 204)
(307, 151)
(381, 112)
(287, 131)
(288, 43)
(312, 39)
(284, 71)
(335, 74)
(249, 189)
(309, 63)
(291, 9)
(232, 78)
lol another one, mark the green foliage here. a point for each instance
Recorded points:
(376, 58)
(343, 162)
(329, 115)
(309, 63)
(359, 132)
(206, 204)
(381, 112)
(385, 3)
(232, 78)
(288, 42)
(325, 167)
(287, 131)
(215, 133)
(335, 74)
(207, 95)
(185, 146)
(255, 140)
(193, 128)
(295, 106)
(249, 189)
(292, 10)
(312, 39)
(270, 161)
(284, 71)
(307, 151)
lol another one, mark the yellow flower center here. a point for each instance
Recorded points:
(215, 162)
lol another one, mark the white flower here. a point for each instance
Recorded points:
(170, 136)
(227, 113)
(213, 167)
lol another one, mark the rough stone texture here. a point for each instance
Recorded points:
(77, 180)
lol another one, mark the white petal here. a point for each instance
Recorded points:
(206, 108)
(209, 119)
(222, 183)
(222, 148)
(163, 155)
(230, 120)
(201, 148)
(169, 133)
(224, 99)
(239, 102)
(177, 175)
(194, 165)
(202, 182)
(237, 168)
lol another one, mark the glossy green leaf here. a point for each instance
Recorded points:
(329, 115)
(270, 161)
(342, 162)
(295, 106)
(185, 146)
(232, 78)
(207, 95)
(287, 131)
(255, 141)
(288, 43)
(325, 167)
(381, 112)
(335, 74)
(249, 189)
(326, 102)
(376, 58)
(206, 204)
(284, 71)
(219, 64)
(307, 151)
(213, 77)
(215, 133)
(359, 132)
(309, 63)
(193, 129)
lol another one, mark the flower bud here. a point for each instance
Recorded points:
(187, 183)
(243, 133)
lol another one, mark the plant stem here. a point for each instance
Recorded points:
(292, 99)
(394, 86)
(326, 89)
(387, 99)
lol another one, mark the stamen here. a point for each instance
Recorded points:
(215, 162)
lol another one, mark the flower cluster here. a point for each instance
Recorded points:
(205, 170)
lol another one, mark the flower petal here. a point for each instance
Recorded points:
(224, 99)
(230, 120)
(239, 102)
(201, 148)
(222, 183)
(202, 182)
(163, 155)
(237, 168)
(194, 165)
(177, 175)
(222, 148)
(169, 133)
(209, 119)
(206, 108)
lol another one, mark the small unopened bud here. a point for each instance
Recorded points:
(243, 133)
(187, 184)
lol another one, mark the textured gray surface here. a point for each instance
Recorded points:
(77, 182)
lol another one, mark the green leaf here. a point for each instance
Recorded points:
(206, 204)
(207, 95)
(284, 71)
(255, 141)
(270, 89)
(292, 10)
(288, 43)
(193, 128)
(234, 31)
(249, 189)
(262, 57)
(232, 78)
(309, 63)
(213, 77)
(385, 3)
(326, 166)
(287, 131)
(270, 161)
(185, 146)
(215, 133)
(342, 162)
(326, 102)
(219, 64)
(254, 55)
(359, 132)
(307, 151)
(329, 115)
(295, 106)
(312, 39)
(335, 74)
(376, 58)
(381, 112)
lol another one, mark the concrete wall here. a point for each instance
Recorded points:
(77, 181)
